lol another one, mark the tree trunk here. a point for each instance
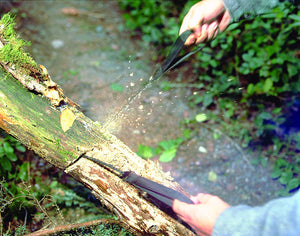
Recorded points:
(36, 112)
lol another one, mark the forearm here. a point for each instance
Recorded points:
(278, 217)
(239, 8)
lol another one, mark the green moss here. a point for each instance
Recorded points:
(13, 49)
(65, 153)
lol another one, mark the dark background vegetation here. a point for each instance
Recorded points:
(247, 80)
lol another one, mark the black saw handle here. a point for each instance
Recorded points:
(156, 190)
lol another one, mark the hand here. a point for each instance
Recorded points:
(203, 215)
(206, 18)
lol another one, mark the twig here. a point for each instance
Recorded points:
(71, 11)
(69, 227)
(1, 224)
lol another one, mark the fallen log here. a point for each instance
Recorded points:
(34, 110)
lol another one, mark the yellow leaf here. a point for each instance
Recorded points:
(67, 118)
(201, 117)
(212, 176)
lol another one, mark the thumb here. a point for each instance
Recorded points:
(182, 209)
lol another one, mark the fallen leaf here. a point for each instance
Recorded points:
(70, 11)
(67, 119)
(117, 87)
(201, 117)
(212, 176)
(202, 149)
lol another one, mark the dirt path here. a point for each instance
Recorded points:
(89, 52)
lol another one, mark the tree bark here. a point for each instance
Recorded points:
(36, 121)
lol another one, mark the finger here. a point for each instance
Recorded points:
(182, 209)
(190, 40)
(203, 197)
(184, 27)
(224, 22)
(212, 30)
(179, 207)
(188, 214)
(216, 33)
(203, 34)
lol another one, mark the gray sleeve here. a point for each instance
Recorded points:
(239, 8)
(280, 217)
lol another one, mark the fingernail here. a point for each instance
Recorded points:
(213, 25)
(204, 27)
(190, 40)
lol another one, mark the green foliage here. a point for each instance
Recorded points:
(108, 230)
(117, 87)
(102, 229)
(156, 19)
(55, 208)
(287, 173)
(8, 145)
(145, 151)
(245, 76)
(11, 191)
(166, 149)
(253, 61)
(12, 50)
(65, 197)
(262, 54)
(28, 197)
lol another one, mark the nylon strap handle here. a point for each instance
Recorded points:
(172, 60)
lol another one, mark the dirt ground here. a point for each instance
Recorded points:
(89, 50)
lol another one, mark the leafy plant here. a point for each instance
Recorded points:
(247, 79)
(8, 145)
(26, 197)
(107, 230)
(157, 19)
(288, 174)
(253, 67)
(145, 151)
(166, 149)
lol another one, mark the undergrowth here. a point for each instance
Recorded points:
(246, 80)
(32, 197)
